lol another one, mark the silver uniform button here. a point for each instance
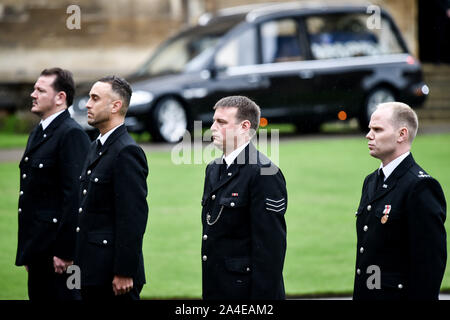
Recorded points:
(20, 210)
(366, 228)
(229, 174)
(213, 196)
(84, 191)
(41, 165)
(369, 207)
(21, 193)
(232, 204)
(96, 180)
(361, 250)
(248, 269)
(205, 237)
(55, 220)
(400, 286)
(45, 135)
(99, 153)
(24, 176)
(89, 172)
(105, 241)
(358, 271)
(78, 229)
(204, 258)
(26, 159)
(80, 210)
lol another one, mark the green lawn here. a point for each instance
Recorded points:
(324, 180)
(12, 140)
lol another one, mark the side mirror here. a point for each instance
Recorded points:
(211, 73)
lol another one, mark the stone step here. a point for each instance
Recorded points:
(431, 103)
(434, 114)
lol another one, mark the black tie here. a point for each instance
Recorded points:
(380, 178)
(223, 169)
(99, 146)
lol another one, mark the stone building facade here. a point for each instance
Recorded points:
(116, 36)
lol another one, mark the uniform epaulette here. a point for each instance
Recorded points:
(423, 175)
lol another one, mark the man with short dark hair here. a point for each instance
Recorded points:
(49, 183)
(113, 208)
(244, 202)
(401, 238)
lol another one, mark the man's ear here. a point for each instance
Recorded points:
(246, 125)
(403, 135)
(117, 106)
(61, 98)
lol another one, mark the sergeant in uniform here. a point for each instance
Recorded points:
(113, 208)
(401, 239)
(244, 202)
(49, 183)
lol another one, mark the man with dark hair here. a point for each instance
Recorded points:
(113, 208)
(49, 183)
(401, 238)
(244, 202)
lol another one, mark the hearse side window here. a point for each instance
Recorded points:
(280, 41)
(347, 35)
(239, 51)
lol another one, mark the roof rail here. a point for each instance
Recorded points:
(254, 11)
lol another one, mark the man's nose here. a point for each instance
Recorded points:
(369, 135)
(33, 94)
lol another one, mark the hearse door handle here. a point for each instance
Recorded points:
(306, 74)
(254, 78)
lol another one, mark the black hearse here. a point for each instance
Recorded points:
(303, 64)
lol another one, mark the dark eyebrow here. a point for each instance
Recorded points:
(93, 95)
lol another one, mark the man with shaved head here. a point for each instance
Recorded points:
(113, 207)
(401, 239)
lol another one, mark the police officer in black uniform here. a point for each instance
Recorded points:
(401, 239)
(49, 184)
(244, 202)
(113, 207)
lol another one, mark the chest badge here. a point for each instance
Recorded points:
(234, 194)
(385, 217)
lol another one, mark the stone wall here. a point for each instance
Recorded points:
(115, 36)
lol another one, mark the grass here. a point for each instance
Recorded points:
(12, 140)
(324, 180)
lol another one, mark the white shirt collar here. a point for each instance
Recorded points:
(390, 167)
(229, 159)
(45, 123)
(104, 137)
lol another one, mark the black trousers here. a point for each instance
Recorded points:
(101, 293)
(44, 284)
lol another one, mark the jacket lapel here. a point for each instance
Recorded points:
(233, 171)
(94, 156)
(391, 181)
(48, 132)
(31, 139)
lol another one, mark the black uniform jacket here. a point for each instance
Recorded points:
(409, 248)
(49, 183)
(113, 211)
(244, 230)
